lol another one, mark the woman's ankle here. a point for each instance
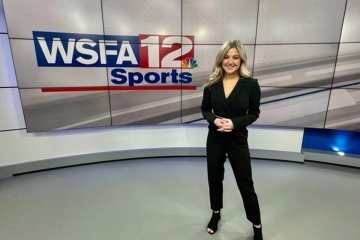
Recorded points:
(259, 226)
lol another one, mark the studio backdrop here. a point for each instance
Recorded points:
(95, 63)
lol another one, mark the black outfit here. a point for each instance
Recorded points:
(242, 107)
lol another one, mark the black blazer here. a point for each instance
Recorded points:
(242, 105)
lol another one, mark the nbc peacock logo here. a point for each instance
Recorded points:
(189, 63)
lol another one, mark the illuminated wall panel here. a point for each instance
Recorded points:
(30, 75)
(213, 22)
(351, 26)
(300, 65)
(305, 21)
(296, 107)
(347, 73)
(64, 110)
(10, 108)
(145, 107)
(3, 28)
(7, 74)
(89, 63)
(160, 17)
(344, 110)
(72, 16)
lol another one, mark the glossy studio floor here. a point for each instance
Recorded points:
(167, 199)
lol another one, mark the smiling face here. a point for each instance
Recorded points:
(231, 62)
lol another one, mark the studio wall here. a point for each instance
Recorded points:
(10, 107)
(304, 55)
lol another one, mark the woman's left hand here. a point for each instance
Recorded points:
(227, 126)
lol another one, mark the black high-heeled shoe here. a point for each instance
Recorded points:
(213, 223)
(258, 233)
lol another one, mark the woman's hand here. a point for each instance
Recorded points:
(224, 124)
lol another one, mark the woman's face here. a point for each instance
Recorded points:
(232, 61)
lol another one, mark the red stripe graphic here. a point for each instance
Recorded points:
(115, 88)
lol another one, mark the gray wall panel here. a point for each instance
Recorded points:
(3, 28)
(305, 21)
(347, 73)
(294, 58)
(351, 27)
(29, 75)
(55, 111)
(11, 112)
(79, 16)
(7, 73)
(213, 21)
(146, 107)
(293, 107)
(344, 110)
(142, 17)
(300, 65)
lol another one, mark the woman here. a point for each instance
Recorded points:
(230, 103)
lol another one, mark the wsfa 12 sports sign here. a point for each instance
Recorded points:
(172, 54)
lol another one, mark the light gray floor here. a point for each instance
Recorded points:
(167, 199)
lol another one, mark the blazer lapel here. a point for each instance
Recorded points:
(220, 94)
(236, 91)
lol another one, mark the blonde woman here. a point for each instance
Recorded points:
(230, 103)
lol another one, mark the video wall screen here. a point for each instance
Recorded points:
(3, 28)
(347, 71)
(92, 63)
(303, 21)
(7, 74)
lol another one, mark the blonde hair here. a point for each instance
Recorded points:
(218, 72)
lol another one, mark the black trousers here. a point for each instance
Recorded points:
(237, 150)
